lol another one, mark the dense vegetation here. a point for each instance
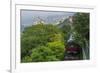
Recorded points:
(42, 42)
(46, 42)
(81, 29)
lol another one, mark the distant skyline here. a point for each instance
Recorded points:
(29, 17)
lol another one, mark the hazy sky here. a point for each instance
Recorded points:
(29, 17)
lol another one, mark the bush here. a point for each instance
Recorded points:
(41, 42)
(53, 51)
(26, 59)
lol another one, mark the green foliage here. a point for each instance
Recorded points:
(41, 54)
(46, 42)
(57, 48)
(65, 28)
(81, 24)
(35, 39)
(26, 59)
(51, 52)
(81, 29)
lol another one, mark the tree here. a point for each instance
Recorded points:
(81, 24)
(53, 51)
(57, 48)
(65, 28)
(35, 43)
(81, 29)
